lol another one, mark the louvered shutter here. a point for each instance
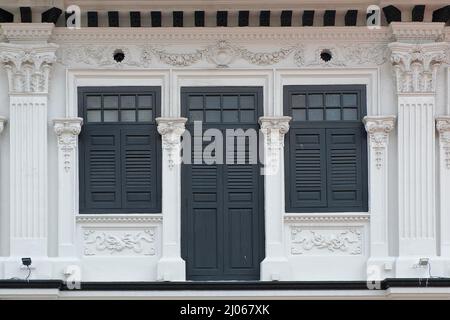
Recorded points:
(102, 183)
(345, 174)
(308, 168)
(139, 167)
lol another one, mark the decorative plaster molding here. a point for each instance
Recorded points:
(346, 55)
(27, 32)
(67, 131)
(221, 53)
(145, 35)
(120, 219)
(416, 65)
(171, 130)
(317, 218)
(2, 124)
(274, 130)
(102, 56)
(119, 242)
(417, 32)
(443, 127)
(326, 241)
(378, 128)
(28, 66)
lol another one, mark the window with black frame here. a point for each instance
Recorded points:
(326, 149)
(120, 157)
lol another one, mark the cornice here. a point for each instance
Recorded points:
(27, 33)
(361, 34)
(129, 218)
(317, 218)
(417, 31)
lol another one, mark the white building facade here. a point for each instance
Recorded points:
(395, 213)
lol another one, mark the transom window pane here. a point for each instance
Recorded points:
(145, 101)
(212, 102)
(328, 106)
(226, 107)
(230, 102)
(111, 107)
(93, 102)
(111, 102)
(128, 102)
(298, 101)
(315, 100)
(247, 102)
(128, 115)
(196, 102)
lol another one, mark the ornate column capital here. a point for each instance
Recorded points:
(274, 129)
(443, 127)
(171, 130)
(378, 128)
(67, 131)
(416, 65)
(28, 66)
(2, 124)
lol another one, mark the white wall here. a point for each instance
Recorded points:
(85, 56)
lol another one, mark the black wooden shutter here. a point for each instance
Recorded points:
(139, 168)
(326, 149)
(120, 150)
(308, 164)
(344, 174)
(102, 174)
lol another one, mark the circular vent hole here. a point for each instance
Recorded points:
(118, 55)
(326, 55)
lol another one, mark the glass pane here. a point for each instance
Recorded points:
(212, 102)
(110, 102)
(230, 116)
(299, 114)
(196, 115)
(110, 116)
(127, 102)
(315, 114)
(349, 99)
(333, 114)
(350, 114)
(247, 102)
(93, 102)
(298, 101)
(333, 100)
(94, 116)
(145, 101)
(195, 102)
(145, 115)
(315, 100)
(212, 116)
(230, 102)
(128, 116)
(247, 116)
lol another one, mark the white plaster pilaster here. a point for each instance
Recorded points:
(378, 129)
(67, 131)
(443, 127)
(275, 266)
(27, 58)
(416, 65)
(171, 267)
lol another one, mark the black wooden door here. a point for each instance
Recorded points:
(223, 211)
